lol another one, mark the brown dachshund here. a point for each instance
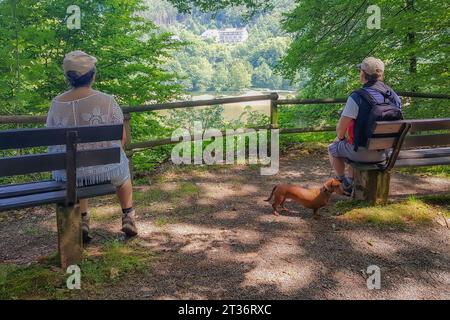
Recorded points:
(309, 198)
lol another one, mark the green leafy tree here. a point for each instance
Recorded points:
(214, 5)
(240, 76)
(262, 76)
(221, 81)
(201, 73)
(131, 51)
(332, 36)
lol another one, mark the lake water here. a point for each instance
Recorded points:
(234, 110)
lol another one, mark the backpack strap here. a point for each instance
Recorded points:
(366, 96)
(384, 90)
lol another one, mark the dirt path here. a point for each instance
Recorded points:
(222, 243)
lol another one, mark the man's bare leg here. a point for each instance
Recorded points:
(338, 165)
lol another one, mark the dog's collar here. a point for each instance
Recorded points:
(326, 190)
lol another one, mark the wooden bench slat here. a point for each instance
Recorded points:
(54, 197)
(32, 163)
(410, 141)
(43, 137)
(387, 127)
(14, 190)
(424, 153)
(417, 125)
(56, 161)
(429, 124)
(364, 166)
(426, 140)
(425, 162)
(380, 143)
(97, 157)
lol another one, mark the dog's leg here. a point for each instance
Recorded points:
(275, 205)
(275, 212)
(316, 215)
(283, 208)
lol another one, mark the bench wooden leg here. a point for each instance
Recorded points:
(70, 240)
(372, 186)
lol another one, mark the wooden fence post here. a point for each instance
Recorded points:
(70, 239)
(274, 110)
(273, 119)
(129, 152)
(68, 216)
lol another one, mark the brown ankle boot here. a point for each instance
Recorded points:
(128, 225)
(85, 227)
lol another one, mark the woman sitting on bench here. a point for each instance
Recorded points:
(81, 106)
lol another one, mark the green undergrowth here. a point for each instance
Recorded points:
(45, 280)
(410, 212)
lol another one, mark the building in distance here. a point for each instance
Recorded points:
(226, 36)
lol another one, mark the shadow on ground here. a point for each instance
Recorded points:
(217, 240)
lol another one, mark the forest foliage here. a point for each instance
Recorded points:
(151, 51)
(204, 65)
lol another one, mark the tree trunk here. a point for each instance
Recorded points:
(16, 88)
(411, 41)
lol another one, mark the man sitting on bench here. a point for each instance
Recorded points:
(83, 106)
(375, 101)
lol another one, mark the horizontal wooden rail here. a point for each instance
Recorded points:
(423, 95)
(274, 103)
(198, 103)
(40, 119)
(16, 119)
(166, 141)
(343, 100)
(310, 101)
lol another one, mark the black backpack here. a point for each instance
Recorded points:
(384, 111)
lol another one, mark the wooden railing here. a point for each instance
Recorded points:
(275, 102)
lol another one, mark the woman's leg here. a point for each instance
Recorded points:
(125, 194)
(85, 219)
(83, 205)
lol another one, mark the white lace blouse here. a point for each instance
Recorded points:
(96, 109)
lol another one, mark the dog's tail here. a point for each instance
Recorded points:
(271, 195)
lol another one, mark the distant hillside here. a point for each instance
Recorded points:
(209, 66)
(165, 15)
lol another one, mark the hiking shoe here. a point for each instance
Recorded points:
(128, 225)
(347, 187)
(85, 227)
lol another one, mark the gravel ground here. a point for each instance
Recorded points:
(223, 243)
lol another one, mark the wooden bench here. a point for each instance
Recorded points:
(410, 143)
(64, 195)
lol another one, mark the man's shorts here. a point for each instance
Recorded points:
(343, 149)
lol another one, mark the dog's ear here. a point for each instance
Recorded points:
(337, 186)
(336, 183)
(332, 182)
